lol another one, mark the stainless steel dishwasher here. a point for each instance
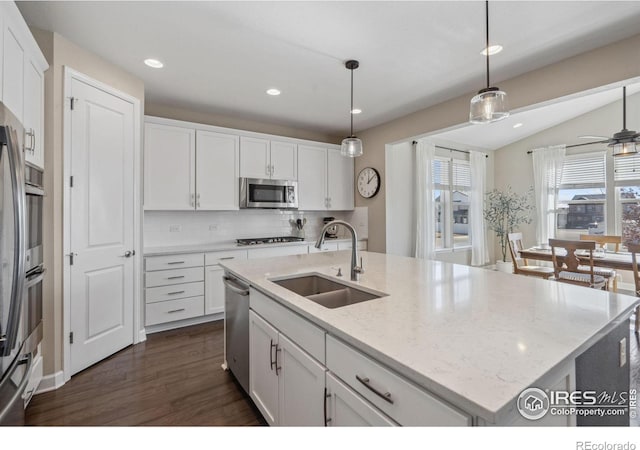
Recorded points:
(236, 307)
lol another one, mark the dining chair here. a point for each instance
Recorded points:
(634, 249)
(601, 241)
(568, 268)
(520, 265)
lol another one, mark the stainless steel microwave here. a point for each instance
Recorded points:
(264, 193)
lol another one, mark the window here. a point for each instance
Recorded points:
(452, 185)
(627, 185)
(581, 204)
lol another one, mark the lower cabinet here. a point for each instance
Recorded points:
(285, 383)
(214, 290)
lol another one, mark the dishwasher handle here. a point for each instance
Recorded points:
(234, 286)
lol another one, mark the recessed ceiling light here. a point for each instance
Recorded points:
(493, 49)
(154, 63)
(356, 111)
(518, 125)
(273, 91)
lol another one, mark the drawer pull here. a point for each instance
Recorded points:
(364, 380)
(271, 347)
(175, 293)
(175, 311)
(175, 262)
(227, 257)
(324, 401)
(175, 278)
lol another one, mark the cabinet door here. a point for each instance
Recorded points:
(284, 161)
(169, 167)
(217, 165)
(33, 114)
(345, 408)
(339, 181)
(300, 386)
(312, 178)
(214, 290)
(254, 158)
(13, 72)
(263, 380)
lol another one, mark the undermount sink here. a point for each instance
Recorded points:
(326, 292)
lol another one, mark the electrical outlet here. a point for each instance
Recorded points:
(175, 228)
(213, 227)
(623, 352)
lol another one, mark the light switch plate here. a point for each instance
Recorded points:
(623, 352)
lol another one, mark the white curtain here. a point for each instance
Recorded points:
(425, 213)
(479, 244)
(547, 169)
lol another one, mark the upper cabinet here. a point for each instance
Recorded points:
(263, 158)
(22, 79)
(325, 179)
(217, 161)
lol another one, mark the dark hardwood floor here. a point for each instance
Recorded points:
(174, 378)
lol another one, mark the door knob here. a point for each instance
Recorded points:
(129, 253)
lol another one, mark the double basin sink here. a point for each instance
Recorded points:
(326, 292)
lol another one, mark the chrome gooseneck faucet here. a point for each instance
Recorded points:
(356, 269)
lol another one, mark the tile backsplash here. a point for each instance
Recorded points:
(163, 228)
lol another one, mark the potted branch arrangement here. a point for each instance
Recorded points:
(504, 211)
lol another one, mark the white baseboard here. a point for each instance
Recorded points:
(142, 336)
(183, 323)
(50, 382)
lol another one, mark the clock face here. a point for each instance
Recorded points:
(368, 182)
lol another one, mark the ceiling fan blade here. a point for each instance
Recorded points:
(590, 136)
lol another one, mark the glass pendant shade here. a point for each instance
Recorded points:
(489, 105)
(351, 147)
(625, 148)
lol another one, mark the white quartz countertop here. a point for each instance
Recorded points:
(224, 246)
(476, 337)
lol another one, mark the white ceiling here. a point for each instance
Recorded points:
(220, 57)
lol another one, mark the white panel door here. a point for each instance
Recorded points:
(339, 181)
(301, 386)
(217, 166)
(263, 380)
(312, 178)
(169, 167)
(102, 224)
(345, 408)
(33, 114)
(214, 290)
(13, 73)
(284, 161)
(254, 158)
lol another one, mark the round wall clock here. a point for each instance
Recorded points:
(368, 182)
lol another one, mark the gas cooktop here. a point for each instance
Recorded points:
(268, 240)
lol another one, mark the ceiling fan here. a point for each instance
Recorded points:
(624, 142)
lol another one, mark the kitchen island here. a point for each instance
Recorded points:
(470, 339)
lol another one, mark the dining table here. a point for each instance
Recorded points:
(609, 259)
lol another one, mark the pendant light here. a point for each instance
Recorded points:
(624, 142)
(490, 104)
(351, 146)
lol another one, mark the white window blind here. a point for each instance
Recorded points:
(445, 170)
(461, 175)
(440, 169)
(583, 171)
(626, 170)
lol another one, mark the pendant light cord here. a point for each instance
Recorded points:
(487, 47)
(624, 108)
(351, 110)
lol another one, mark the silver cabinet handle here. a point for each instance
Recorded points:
(175, 278)
(266, 170)
(175, 311)
(193, 199)
(324, 402)
(175, 293)
(198, 200)
(273, 170)
(384, 396)
(271, 347)
(234, 287)
(226, 258)
(175, 262)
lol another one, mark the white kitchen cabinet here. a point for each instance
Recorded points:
(214, 290)
(285, 383)
(262, 158)
(13, 69)
(33, 113)
(217, 171)
(169, 167)
(325, 179)
(345, 408)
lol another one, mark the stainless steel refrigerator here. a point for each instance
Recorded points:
(15, 363)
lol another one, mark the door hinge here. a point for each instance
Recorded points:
(72, 101)
(71, 181)
(71, 338)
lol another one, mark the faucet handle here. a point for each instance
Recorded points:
(360, 268)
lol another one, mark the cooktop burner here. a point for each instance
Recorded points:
(268, 240)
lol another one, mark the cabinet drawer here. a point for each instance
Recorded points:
(407, 404)
(304, 333)
(177, 276)
(171, 310)
(214, 258)
(173, 292)
(173, 261)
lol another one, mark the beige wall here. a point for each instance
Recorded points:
(172, 112)
(59, 53)
(589, 70)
